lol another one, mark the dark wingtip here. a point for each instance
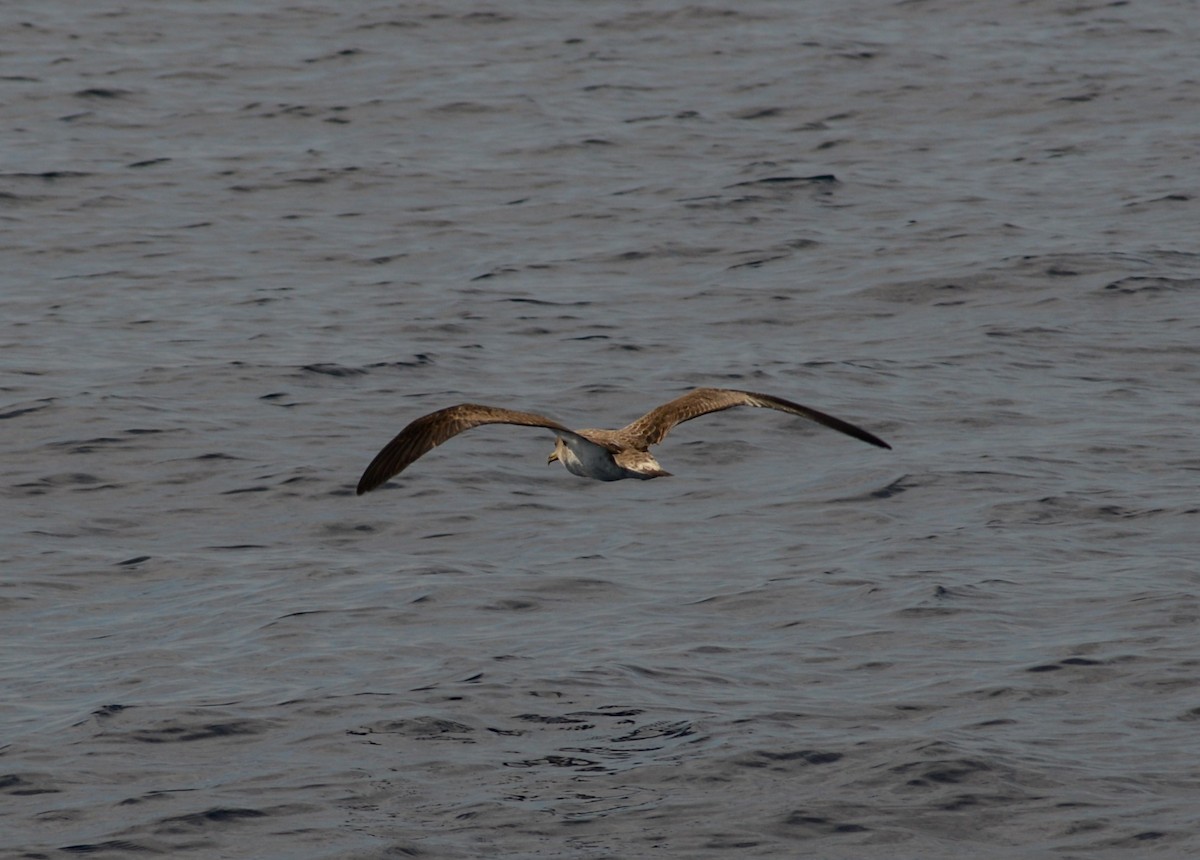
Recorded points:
(861, 434)
(872, 439)
(365, 486)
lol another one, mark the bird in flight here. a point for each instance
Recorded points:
(605, 455)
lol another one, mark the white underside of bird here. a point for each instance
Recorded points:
(588, 459)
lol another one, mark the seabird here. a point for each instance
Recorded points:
(605, 455)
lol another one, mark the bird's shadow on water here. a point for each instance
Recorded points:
(704, 453)
(891, 489)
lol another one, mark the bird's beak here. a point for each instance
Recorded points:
(553, 456)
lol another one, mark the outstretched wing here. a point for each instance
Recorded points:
(427, 432)
(653, 427)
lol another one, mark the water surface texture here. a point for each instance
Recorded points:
(245, 243)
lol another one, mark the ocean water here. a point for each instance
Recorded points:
(244, 244)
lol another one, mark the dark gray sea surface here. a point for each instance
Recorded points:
(244, 244)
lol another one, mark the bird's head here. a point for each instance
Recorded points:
(555, 455)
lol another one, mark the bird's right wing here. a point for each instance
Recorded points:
(652, 427)
(427, 432)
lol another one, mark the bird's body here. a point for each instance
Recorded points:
(591, 455)
(604, 455)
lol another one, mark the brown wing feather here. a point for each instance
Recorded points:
(653, 427)
(427, 432)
